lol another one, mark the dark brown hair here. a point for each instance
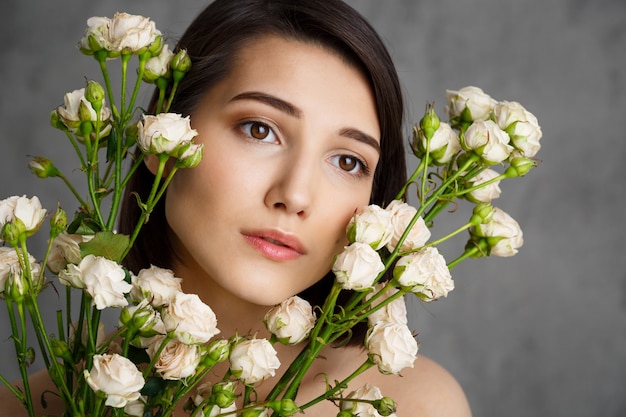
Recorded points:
(214, 39)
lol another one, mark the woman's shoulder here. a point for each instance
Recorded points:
(426, 390)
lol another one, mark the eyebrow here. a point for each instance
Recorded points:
(291, 110)
(273, 101)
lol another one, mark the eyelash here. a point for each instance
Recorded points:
(363, 170)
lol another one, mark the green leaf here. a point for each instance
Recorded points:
(106, 244)
(154, 386)
(83, 224)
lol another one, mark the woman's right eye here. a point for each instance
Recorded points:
(259, 131)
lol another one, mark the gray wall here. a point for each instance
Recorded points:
(541, 334)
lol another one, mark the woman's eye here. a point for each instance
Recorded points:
(350, 164)
(258, 131)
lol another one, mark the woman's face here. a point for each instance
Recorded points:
(291, 144)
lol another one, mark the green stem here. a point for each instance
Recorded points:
(466, 254)
(402, 193)
(20, 350)
(364, 367)
(153, 198)
(69, 185)
(449, 235)
(143, 58)
(107, 82)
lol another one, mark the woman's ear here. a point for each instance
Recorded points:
(152, 162)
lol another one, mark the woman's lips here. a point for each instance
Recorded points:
(275, 245)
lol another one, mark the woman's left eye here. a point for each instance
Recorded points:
(258, 131)
(350, 164)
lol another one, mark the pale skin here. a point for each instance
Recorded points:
(292, 141)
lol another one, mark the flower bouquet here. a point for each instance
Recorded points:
(166, 341)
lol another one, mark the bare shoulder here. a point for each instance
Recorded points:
(39, 383)
(426, 390)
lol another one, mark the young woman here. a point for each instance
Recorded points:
(299, 108)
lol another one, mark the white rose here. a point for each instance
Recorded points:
(158, 285)
(77, 108)
(391, 346)
(117, 377)
(11, 271)
(190, 155)
(164, 133)
(253, 360)
(65, 250)
(469, 103)
(401, 215)
(371, 226)
(361, 409)
(158, 66)
(444, 144)
(177, 360)
(103, 280)
(488, 192)
(190, 319)
(135, 408)
(504, 234)
(291, 321)
(96, 35)
(488, 140)
(142, 318)
(28, 210)
(521, 125)
(131, 32)
(357, 267)
(425, 272)
(393, 312)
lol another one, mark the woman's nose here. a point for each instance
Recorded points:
(293, 187)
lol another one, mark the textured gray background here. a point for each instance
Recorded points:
(541, 334)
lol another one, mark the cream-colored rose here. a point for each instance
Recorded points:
(131, 32)
(10, 271)
(190, 155)
(371, 226)
(291, 321)
(28, 210)
(253, 360)
(158, 66)
(164, 133)
(469, 103)
(488, 140)
(142, 318)
(521, 125)
(425, 273)
(117, 377)
(77, 109)
(156, 284)
(444, 144)
(488, 192)
(401, 215)
(357, 267)
(135, 408)
(504, 234)
(362, 409)
(103, 280)
(391, 346)
(65, 250)
(177, 360)
(191, 320)
(96, 35)
(393, 312)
